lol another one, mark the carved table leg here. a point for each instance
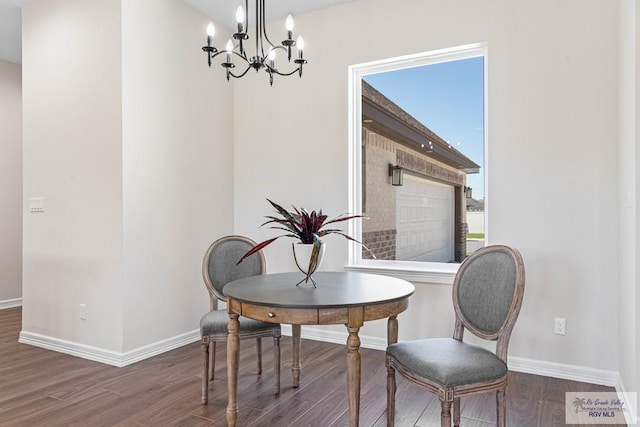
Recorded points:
(233, 356)
(356, 318)
(295, 365)
(353, 375)
(276, 360)
(392, 330)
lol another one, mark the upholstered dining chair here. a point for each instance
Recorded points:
(219, 268)
(487, 295)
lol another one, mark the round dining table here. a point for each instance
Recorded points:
(348, 298)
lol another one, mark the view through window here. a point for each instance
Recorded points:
(422, 160)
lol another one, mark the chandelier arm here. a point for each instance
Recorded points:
(233, 52)
(273, 70)
(279, 47)
(237, 76)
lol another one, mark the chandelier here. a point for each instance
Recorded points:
(266, 52)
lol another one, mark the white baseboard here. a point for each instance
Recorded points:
(631, 417)
(10, 303)
(517, 364)
(564, 371)
(108, 357)
(159, 347)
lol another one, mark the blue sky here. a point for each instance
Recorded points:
(448, 98)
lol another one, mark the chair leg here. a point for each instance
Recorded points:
(445, 414)
(259, 350)
(456, 412)
(391, 396)
(205, 369)
(276, 361)
(212, 360)
(501, 408)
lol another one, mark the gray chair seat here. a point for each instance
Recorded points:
(215, 322)
(447, 361)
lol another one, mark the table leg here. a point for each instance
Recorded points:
(392, 330)
(233, 356)
(356, 319)
(295, 365)
(353, 375)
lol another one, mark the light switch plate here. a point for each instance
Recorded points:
(36, 204)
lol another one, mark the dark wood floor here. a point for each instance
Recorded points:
(45, 388)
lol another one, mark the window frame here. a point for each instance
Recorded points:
(415, 271)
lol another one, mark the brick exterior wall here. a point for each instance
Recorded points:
(382, 243)
(461, 242)
(379, 196)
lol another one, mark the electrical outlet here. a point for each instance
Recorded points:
(83, 311)
(560, 326)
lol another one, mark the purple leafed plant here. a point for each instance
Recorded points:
(304, 226)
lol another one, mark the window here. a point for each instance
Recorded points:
(417, 143)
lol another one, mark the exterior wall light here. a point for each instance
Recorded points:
(396, 174)
(468, 192)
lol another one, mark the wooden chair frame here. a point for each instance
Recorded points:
(208, 342)
(450, 396)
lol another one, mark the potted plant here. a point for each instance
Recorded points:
(308, 228)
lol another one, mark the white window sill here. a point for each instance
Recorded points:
(415, 272)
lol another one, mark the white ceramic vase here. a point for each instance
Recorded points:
(302, 257)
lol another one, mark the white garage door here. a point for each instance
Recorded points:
(424, 215)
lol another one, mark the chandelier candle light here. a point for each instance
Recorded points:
(265, 51)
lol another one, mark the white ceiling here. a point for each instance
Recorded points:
(222, 12)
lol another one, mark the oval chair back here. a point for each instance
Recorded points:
(487, 294)
(219, 265)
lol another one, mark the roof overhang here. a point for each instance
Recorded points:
(382, 116)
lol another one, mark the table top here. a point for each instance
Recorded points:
(334, 289)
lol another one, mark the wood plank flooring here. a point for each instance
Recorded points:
(45, 388)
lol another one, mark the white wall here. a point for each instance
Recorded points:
(178, 167)
(10, 183)
(552, 127)
(73, 158)
(636, 385)
(628, 174)
(130, 145)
